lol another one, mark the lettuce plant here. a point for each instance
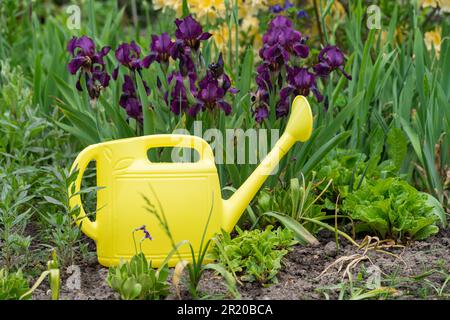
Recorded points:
(391, 208)
(256, 254)
(12, 285)
(136, 279)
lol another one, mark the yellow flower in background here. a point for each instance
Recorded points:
(250, 26)
(444, 5)
(251, 7)
(433, 39)
(215, 11)
(222, 37)
(207, 10)
(428, 3)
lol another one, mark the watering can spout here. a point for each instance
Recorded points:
(299, 128)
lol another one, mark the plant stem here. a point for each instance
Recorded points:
(319, 25)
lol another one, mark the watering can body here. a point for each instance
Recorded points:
(186, 195)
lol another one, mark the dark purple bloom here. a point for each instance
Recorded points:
(274, 56)
(280, 41)
(182, 53)
(216, 74)
(147, 235)
(261, 113)
(160, 47)
(302, 14)
(91, 64)
(282, 108)
(300, 82)
(145, 231)
(288, 5)
(330, 58)
(261, 109)
(129, 99)
(190, 32)
(263, 78)
(210, 98)
(179, 96)
(280, 31)
(129, 55)
(278, 8)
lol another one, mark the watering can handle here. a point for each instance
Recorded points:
(81, 162)
(181, 141)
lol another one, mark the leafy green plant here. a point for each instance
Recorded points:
(391, 208)
(59, 227)
(136, 279)
(15, 213)
(13, 285)
(290, 205)
(256, 254)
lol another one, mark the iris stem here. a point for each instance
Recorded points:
(319, 25)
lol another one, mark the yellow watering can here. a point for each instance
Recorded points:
(186, 192)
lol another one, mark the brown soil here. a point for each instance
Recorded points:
(299, 279)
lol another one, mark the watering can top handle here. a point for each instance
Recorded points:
(81, 162)
(180, 141)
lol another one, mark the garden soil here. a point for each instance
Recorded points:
(412, 271)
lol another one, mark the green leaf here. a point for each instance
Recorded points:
(438, 210)
(301, 234)
(131, 289)
(53, 201)
(185, 8)
(397, 146)
(227, 276)
(149, 117)
(315, 159)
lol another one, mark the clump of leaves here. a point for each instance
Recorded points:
(136, 279)
(350, 169)
(345, 167)
(297, 200)
(391, 208)
(255, 255)
(13, 285)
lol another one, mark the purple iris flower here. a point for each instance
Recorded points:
(210, 97)
(182, 53)
(263, 77)
(129, 99)
(300, 82)
(145, 231)
(330, 58)
(278, 8)
(216, 74)
(288, 5)
(179, 101)
(261, 109)
(302, 14)
(129, 55)
(261, 113)
(190, 32)
(91, 64)
(274, 56)
(280, 41)
(160, 47)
